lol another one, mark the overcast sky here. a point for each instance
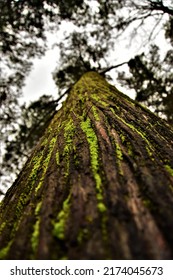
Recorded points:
(40, 79)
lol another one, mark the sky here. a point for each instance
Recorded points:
(40, 80)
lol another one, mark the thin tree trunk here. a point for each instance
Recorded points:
(99, 185)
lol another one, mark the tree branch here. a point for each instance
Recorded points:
(159, 6)
(112, 67)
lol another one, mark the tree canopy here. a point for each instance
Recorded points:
(97, 26)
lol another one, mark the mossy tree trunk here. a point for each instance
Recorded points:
(99, 185)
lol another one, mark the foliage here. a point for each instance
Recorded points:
(152, 80)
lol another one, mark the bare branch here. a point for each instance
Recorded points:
(112, 67)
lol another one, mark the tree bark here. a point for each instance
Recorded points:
(99, 185)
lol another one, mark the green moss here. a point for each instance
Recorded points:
(100, 100)
(119, 157)
(69, 130)
(38, 207)
(39, 152)
(119, 152)
(36, 227)
(142, 134)
(68, 135)
(149, 152)
(133, 128)
(127, 144)
(76, 159)
(101, 207)
(169, 169)
(35, 235)
(46, 162)
(59, 226)
(23, 200)
(4, 251)
(112, 110)
(36, 166)
(96, 116)
(57, 158)
(123, 138)
(83, 234)
(2, 226)
(93, 146)
(129, 149)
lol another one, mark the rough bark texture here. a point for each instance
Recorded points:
(99, 185)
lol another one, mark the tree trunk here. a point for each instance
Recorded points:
(99, 185)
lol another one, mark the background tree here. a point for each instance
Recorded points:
(97, 27)
(152, 79)
(33, 121)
